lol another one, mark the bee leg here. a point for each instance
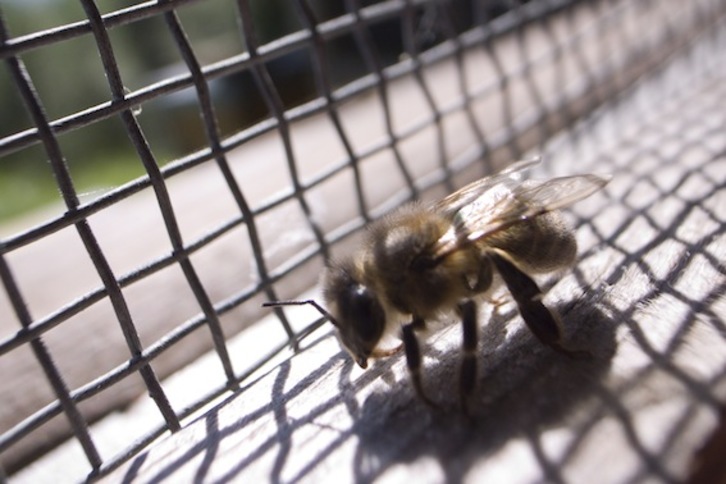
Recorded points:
(413, 357)
(484, 278)
(541, 321)
(467, 376)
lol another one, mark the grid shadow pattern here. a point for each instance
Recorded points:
(646, 297)
(549, 62)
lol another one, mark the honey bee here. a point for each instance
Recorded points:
(424, 260)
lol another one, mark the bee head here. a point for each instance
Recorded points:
(356, 312)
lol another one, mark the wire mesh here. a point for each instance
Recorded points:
(220, 126)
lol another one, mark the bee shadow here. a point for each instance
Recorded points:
(522, 388)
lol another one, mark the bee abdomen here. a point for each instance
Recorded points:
(541, 244)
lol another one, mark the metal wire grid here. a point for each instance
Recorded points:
(314, 35)
(671, 117)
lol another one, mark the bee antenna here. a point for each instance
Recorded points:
(303, 302)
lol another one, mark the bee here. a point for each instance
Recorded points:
(428, 259)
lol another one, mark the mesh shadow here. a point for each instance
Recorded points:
(523, 387)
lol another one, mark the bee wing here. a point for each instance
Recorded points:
(546, 195)
(510, 176)
(501, 206)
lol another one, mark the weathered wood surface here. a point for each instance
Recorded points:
(646, 297)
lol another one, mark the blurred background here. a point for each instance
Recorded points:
(99, 155)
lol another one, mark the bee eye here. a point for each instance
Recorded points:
(361, 308)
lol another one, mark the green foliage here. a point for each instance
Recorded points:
(27, 185)
(69, 78)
